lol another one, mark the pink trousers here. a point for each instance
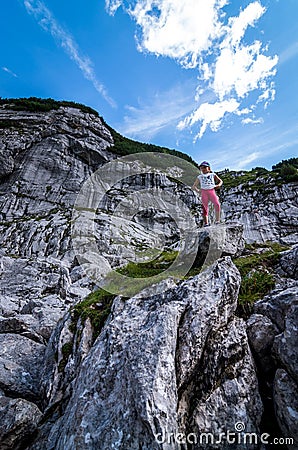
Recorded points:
(209, 195)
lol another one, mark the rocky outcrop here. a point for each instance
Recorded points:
(19, 420)
(268, 212)
(272, 333)
(163, 365)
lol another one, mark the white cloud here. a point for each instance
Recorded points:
(180, 29)
(209, 114)
(199, 35)
(7, 70)
(252, 121)
(48, 22)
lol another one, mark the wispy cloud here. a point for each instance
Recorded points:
(48, 22)
(260, 145)
(247, 160)
(165, 109)
(200, 36)
(289, 53)
(10, 72)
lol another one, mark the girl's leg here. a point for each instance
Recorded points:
(205, 200)
(214, 199)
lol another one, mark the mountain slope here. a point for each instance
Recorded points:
(88, 368)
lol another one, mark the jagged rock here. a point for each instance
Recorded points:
(19, 419)
(227, 396)
(261, 333)
(70, 343)
(149, 347)
(266, 214)
(33, 295)
(219, 240)
(286, 405)
(273, 336)
(288, 263)
(285, 346)
(276, 304)
(20, 362)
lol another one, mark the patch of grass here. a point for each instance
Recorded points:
(256, 271)
(255, 285)
(66, 352)
(134, 277)
(96, 307)
(276, 247)
(150, 268)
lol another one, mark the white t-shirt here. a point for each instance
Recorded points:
(207, 180)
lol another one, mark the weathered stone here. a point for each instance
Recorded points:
(285, 346)
(261, 333)
(266, 215)
(222, 398)
(276, 304)
(150, 346)
(20, 363)
(19, 419)
(288, 263)
(219, 240)
(286, 405)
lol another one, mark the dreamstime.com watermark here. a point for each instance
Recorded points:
(239, 436)
(113, 196)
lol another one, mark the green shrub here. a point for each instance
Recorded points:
(66, 352)
(256, 272)
(287, 169)
(34, 104)
(96, 307)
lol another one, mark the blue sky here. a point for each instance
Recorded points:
(215, 79)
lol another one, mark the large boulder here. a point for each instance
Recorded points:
(132, 389)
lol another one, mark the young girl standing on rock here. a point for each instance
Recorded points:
(208, 181)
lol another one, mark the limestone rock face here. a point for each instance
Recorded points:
(143, 368)
(285, 396)
(19, 419)
(267, 213)
(272, 334)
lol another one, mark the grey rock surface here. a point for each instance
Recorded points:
(261, 334)
(272, 332)
(228, 396)
(285, 346)
(267, 213)
(286, 405)
(126, 394)
(19, 420)
(288, 264)
(20, 362)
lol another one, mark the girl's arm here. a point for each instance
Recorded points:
(219, 180)
(195, 186)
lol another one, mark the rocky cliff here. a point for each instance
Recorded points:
(268, 211)
(173, 364)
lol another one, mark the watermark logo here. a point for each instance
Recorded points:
(114, 195)
(238, 436)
